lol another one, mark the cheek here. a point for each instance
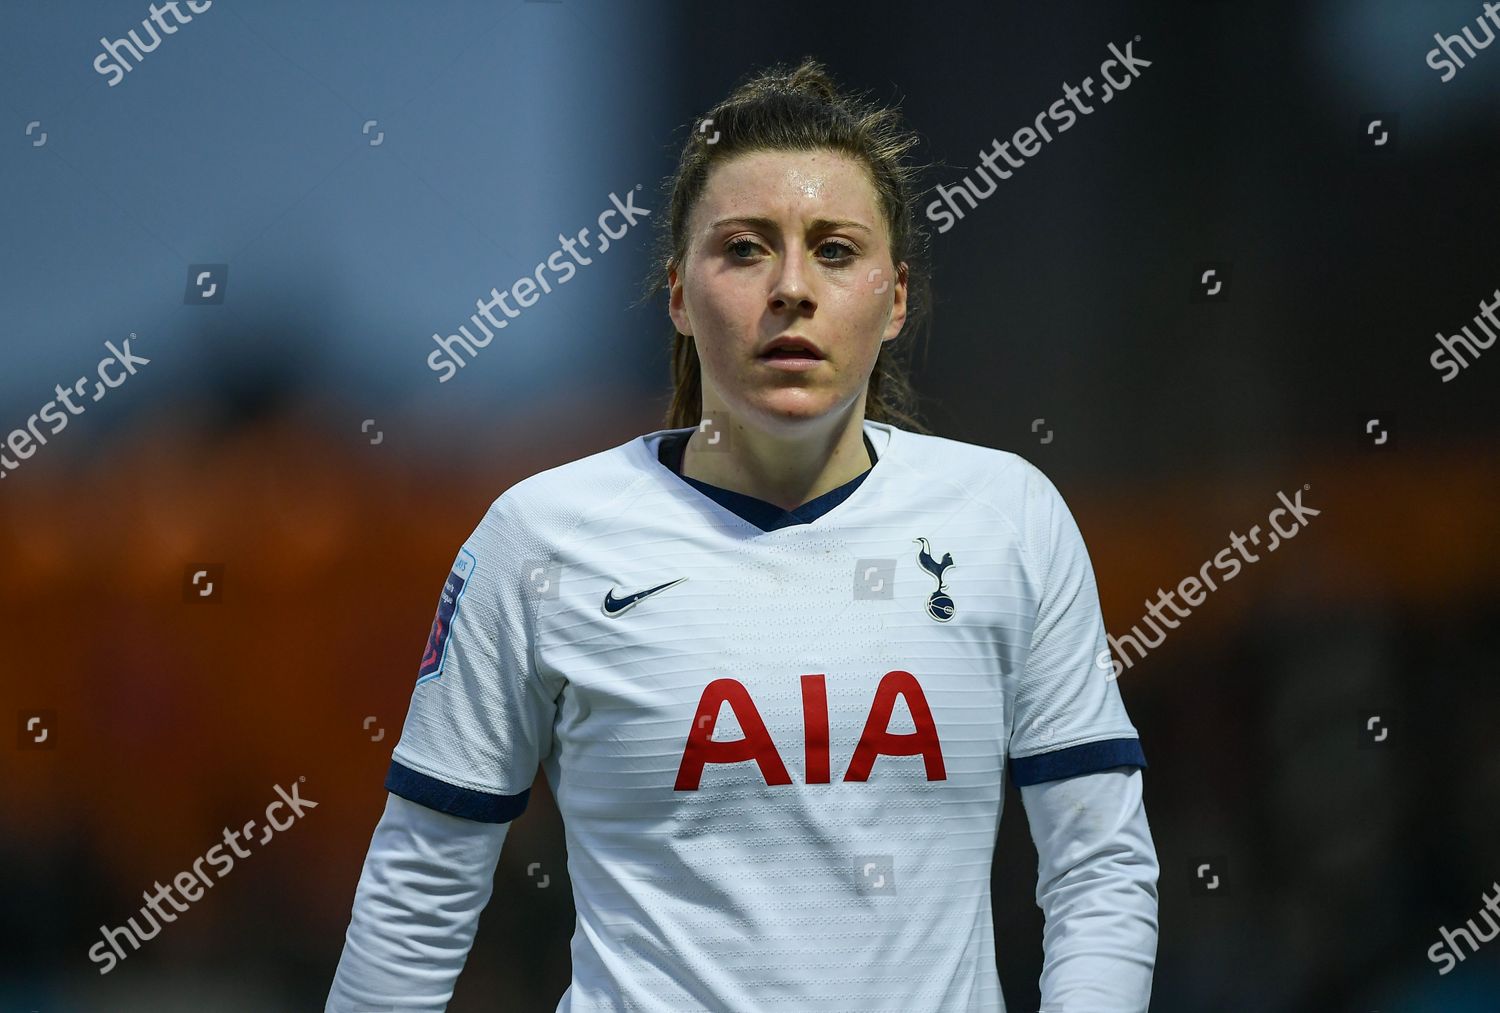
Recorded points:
(863, 316)
(713, 325)
(723, 309)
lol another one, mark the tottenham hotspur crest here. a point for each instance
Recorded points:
(939, 602)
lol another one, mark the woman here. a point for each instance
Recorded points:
(776, 658)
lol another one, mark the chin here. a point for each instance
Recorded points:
(791, 406)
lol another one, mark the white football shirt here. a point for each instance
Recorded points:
(778, 754)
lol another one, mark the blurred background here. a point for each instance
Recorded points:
(352, 176)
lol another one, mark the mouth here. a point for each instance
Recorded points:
(790, 349)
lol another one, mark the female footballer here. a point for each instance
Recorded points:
(776, 659)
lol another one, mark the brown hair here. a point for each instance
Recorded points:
(802, 109)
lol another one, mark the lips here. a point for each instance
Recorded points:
(791, 346)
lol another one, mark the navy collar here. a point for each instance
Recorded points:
(764, 515)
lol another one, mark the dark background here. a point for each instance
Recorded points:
(1067, 296)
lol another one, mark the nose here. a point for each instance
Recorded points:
(791, 289)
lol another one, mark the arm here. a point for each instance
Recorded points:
(1077, 759)
(479, 722)
(1096, 886)
(425, 880)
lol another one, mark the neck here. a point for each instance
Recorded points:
(787, 470)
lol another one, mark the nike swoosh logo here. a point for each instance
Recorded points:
(615, 606)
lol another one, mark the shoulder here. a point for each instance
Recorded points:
(544, 508)
(1001, 479)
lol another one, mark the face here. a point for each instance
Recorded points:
(787, 243)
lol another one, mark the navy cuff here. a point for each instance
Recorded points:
(1085, 759)
(467, 803)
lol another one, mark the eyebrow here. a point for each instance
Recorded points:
(818, 224)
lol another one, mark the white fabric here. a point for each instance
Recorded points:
(425, 880)
(1096, 885)
(780, 776)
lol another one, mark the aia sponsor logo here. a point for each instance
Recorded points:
(876, 740)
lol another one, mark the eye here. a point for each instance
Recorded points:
(837, 245)
(735, 244)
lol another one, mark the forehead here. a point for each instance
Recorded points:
(793, 186)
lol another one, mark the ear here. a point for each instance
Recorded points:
(675, 306)
(898, 305)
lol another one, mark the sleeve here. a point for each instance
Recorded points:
(1067, 718)
(1097, 887)
(425, 880)
(480, 719)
